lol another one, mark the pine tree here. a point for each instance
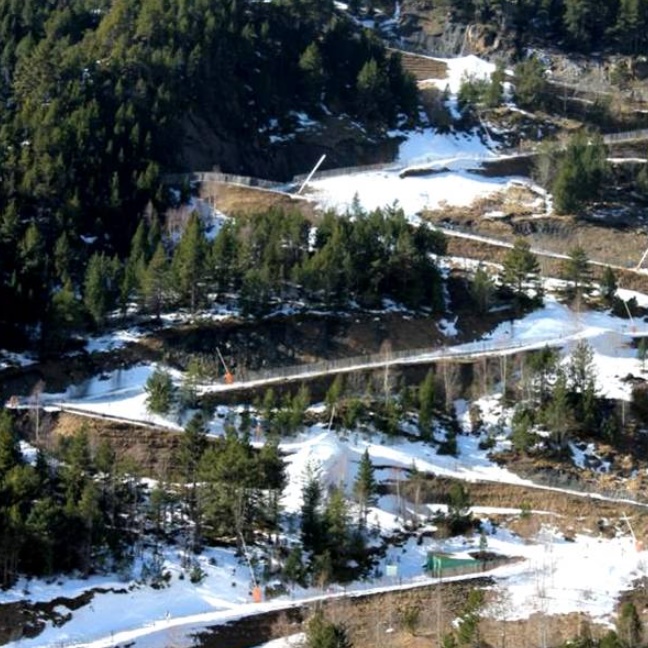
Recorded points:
(189, 263)
(609, 285)
(365, 487)
(531, 88)
(520, 268)
(495, 89)
(629, 626)
(336, 529)
(188, 456)
(558, 413)
(427, 401)
(576, 270)
(10, 455)
(155, 282)
(581, 369)
(482, 289)
(334, 394)
(96, 293)
(458, 507)
(310, 64)
(159, 392)
(311, 517)
(321, 633)
(581, 173)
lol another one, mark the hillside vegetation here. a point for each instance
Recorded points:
(98, 97)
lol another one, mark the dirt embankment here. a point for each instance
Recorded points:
(381, 621)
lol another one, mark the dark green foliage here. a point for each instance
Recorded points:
(520, 268)
(458, 508)
(582, 25)
(522, 422)
(576, 270)
(629, 627)
(609, 285)
(530, 84)
(159, 392)
(239, 487)
(58, 516)
(365, 486)
(188, 265)
(101, 287)
(427, 404)
(321, 633)
(99, 99)
(543, 365)
(482, 289)
(311, 516)
(582, 172)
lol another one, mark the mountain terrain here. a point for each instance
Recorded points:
(401, 401)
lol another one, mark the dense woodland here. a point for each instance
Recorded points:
(580, 25)
(94, 101)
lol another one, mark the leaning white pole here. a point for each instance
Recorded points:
(312, 173)
(643, 258)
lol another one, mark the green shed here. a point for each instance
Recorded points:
(443, 565)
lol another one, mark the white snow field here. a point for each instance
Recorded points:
(585, 574)
(451, 160)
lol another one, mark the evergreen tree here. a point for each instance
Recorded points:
(155, 282)
(188, 265)
(531, 90)
(159, 392)
(334, 394)
(427, 403)
(608, 285)
(310, 63)
(98, 288)
(311, 517)
(520, 268)
(321, 633)
(576, 270)
(482, 289)
(629, 626)
(365, 487)
(581, 174)
(458, 507)
(495, 90)
(10, 455)
(64, 317)
(558, 413)
(188, 456)
(581, 369)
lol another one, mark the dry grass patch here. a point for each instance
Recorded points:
(238, 199)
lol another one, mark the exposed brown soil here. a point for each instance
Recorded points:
(237, 199)
(378, 621)
(423, 67)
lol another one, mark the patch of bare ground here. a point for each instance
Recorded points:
(570, 513)
(149, 450)
(423, 67)
(617, 246)
(234, 199)
(416, 618)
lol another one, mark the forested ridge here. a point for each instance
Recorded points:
(95, 98)
(581, 25)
